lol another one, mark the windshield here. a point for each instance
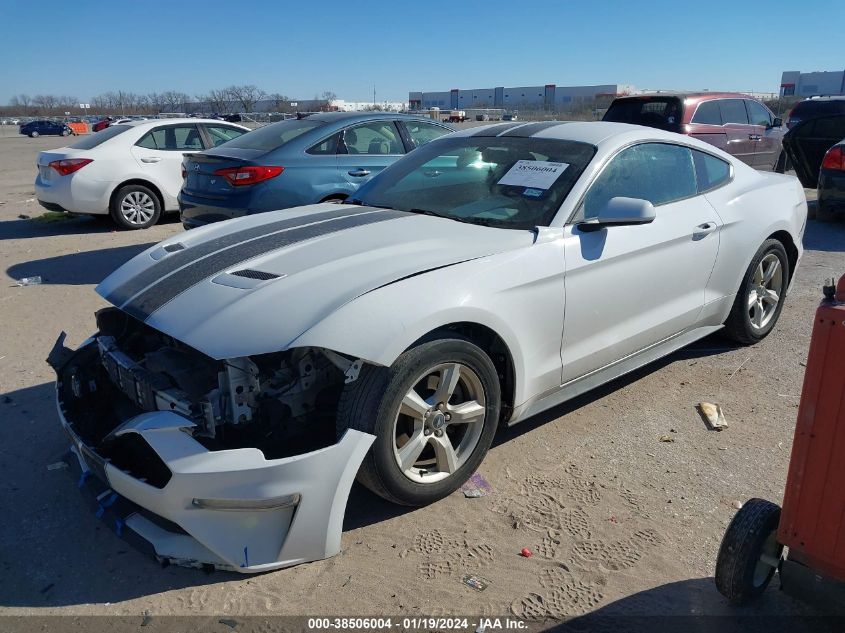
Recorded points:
(273, 136)
(90, 142)
(508, 182)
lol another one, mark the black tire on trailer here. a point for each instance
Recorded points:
(749, 553)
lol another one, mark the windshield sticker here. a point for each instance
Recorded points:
(530, 192)
(536, 174)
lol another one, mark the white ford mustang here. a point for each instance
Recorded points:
(251, 369)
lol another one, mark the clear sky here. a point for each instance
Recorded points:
(302, 48)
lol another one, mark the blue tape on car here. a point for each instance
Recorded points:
(108, 502)
(118, 526)
(246, 557)
(83, 478)
(100, 511)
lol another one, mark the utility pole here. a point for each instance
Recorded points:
(374, 94)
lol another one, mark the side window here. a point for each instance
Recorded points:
(657, 172)
(757, 114)
(328, 146)
(422, 133)
(710, 172)
(174, 138)
(733, 111)
(378, 137)
(708, 113)
(220, 134)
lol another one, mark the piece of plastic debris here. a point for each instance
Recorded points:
(713, 415)
(228, 622)
(475, 582)
(525, 552)
(147, 618)
(29, 281)
(476, 486)
(28, 200)
(57, 466)
(666, 438)
(737, 504)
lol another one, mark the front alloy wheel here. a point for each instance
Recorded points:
(434, 413)
(764, 295)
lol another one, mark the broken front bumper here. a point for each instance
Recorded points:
(232, 509)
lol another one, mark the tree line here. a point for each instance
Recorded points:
(235, 98)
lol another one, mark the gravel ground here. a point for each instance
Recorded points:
(620, 522)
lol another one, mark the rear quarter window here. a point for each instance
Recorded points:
(708, 113)
(710, 172)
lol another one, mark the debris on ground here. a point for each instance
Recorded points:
(666, 438)
(733, 503)
(147, 619)
(28, 281)
(228, 622)
(475, 582)
(713, 415)
(57, 465)
(476, 486)
(23, 216)
(526, 553)
(738, 368)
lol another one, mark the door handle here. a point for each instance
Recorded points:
(359, 173)
(151, 159)
(703, 230)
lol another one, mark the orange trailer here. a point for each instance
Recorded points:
(812, 520)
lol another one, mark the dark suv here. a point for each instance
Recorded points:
(815, 107)
(735, 123)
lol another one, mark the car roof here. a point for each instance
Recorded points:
(334, 117)
(824, 98)
(151, 122)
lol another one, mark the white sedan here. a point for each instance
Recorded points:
(249, 370)
(131, 170)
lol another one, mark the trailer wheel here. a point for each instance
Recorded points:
(749, 553)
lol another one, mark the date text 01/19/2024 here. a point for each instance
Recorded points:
(419, 623)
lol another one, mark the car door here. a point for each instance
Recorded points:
(768, 139)
(630, 287)
(366, 149)
(741, 136)
(159, 155)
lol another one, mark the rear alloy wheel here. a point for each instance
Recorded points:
(135, 207)
(33, 134)
(434, 413)
(65, 132)
(759, 302)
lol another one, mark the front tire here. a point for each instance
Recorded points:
(434, 413)
(34, 135)
(750, 553)
(135, 207)
(759, 302)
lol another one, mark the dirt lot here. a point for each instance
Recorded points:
(619, 521)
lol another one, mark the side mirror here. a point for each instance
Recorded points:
(778, 122)
(621, 211)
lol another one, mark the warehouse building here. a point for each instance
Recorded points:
(794, 83)
(548, 97)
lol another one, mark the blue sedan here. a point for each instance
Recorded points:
(39, 128)
(320, 157)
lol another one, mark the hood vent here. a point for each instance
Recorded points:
(254, 274)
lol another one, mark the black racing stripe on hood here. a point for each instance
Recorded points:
(180, 258)
(154, 297)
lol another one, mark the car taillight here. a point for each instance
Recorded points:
(834, 159)
(70, 165)
(249, 175)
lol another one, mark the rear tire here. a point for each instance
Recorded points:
(135, 207)
(759, 301)
(33, 135)
(741, 574)
(404, 407)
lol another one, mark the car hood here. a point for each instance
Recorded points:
(254, 285)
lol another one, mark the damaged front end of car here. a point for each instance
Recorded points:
(231, 463)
